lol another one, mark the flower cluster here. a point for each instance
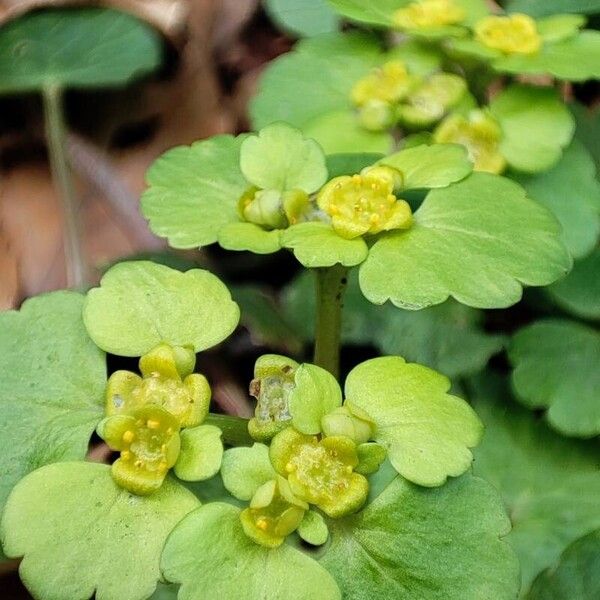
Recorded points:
(320, 455)
(390, 95)
(146, 413)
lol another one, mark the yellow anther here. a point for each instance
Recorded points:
(513, 34)
(427, 14)
(138, 463)
(126, 455)
(128, 436)
(348, 469)
(169, 431)
(262, 523)
(374, 219)
(152, 424)
(290, 468)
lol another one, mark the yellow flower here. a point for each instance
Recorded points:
(365, 203)
(388, 83)
(427, 14)
(513, 34)
(149, 442)
(321, 472)
(167, 381)
(273, 514)
(480, 134)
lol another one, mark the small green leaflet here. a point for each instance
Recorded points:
(463, 245)
(71, 520)
(446, 337)
(52, 380)
(75, 48)
(209, 546)
(439, 544)
(141, 304)
(576, 576)
(556, 366)
(579, 292)
(550, 484)
(571, 191)
(426, 431)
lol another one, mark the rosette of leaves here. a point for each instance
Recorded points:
(460, 242)
(366, 91)
(327, 443)
(95, 535)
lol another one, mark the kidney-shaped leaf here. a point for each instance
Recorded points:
(79, 533)
(211, 556)
(426, 431)
(571, 192)
(83, 48)
(557, 366)
(303, 17)
(536, 126)
(52, 380)
(478, 240)
(439, 544)
(579, 291)
(141, 304)
(550, 484)
(577, 575)
(193, 191)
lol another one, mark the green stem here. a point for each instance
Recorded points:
(235, 429)
(61, 174)
(331, 284)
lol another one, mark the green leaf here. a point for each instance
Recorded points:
(556, 367)
(244, 470)
(279, 157)
(575, 576)
(209, 546)
(165, 592)
(303, 17)
(141, 304)
(572, 193)
(540, 8)
(350, 163)
(427, 432)
(52, 380)
(316, 393)
(313, 528)
(463, 245)
(79, 533)
(76, 48)
(314, 79)
(550, 484)
(438, 544)
(574, 59)
(588, 129)
(193, 191)
(433, 166)
(536, 126)
(340, 132)
(579, 292)
(201, 453)
(560, 27)
(446, 338)
(248, 236)
(318, 245)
